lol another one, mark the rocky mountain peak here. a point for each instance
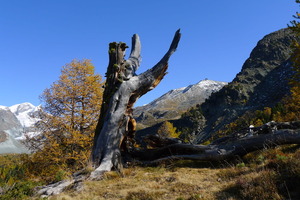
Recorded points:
(172, 104)
(23, 107)
(25, 113)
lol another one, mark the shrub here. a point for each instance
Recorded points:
(143, 195)
(14, 182)
(19, 190)
(259, 187)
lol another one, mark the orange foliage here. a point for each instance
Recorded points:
(69, 117)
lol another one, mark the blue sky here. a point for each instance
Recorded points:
(38, 37)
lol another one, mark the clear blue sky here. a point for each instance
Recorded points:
(38, 37)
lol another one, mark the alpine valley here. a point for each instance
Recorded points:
(262, 82)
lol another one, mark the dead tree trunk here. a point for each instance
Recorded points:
(116, 126)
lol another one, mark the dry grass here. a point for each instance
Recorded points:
(269, 174)
(153, 183)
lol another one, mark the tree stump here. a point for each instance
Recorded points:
(116, 126)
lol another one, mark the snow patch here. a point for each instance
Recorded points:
(27, 134)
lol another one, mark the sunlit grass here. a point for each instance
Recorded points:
(152, 183)
(267, 174)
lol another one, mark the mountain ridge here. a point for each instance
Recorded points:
(175, 102)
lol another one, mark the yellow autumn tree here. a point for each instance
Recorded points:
(69, 115)
(293, 102)
(167, 129)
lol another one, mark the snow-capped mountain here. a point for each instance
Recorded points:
(25, 113)
(172, 104)
(15, 121)
(187, 96)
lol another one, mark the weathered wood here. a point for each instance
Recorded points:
(278, 134)
(114, 74)
(116, 125)
(56, 188)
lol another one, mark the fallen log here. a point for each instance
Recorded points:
(232, 147)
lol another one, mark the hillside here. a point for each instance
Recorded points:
(262, 82)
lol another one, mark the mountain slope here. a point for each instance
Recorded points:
(262, 82)
(172, 104)
(14, 122)
(9, 122)
(11, 145)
